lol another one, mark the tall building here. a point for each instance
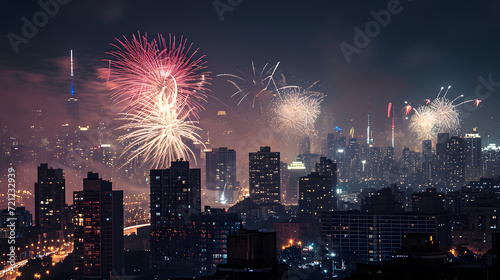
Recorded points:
(491, 161)
(212, 229)
(305, 145)
(352, 162)
(375, 164)
(339, 145)
(72, 107)
(264, 176)
(50, 198)
(455, 162)
(428, 162)
(174, 200)
(98, 223)
(223, 130)
(441, 157)
(316, 195)
(295, 170)
(473, 154)
(330, 145)
(221, 174)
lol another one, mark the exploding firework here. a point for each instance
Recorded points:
(255, 86)
(161, 86)
(141, 69)
(157, 132)
(295, 110)
(438, 115)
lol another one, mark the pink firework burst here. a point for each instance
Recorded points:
(142, 69)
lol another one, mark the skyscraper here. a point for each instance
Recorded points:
(441, 161)
(98, 237)
(175, 198)
(352, 162)
(296, 170)
(455, 161)
(472, 156)
(50, 198)
(375, 163)
(428, 162)
(221, 174)
(315, 195)
(212, 229)
(264, 176)
(330, 145)
(491, 161)
(72, 102)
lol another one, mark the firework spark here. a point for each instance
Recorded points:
(438, 115)
(255, 86)
(157, 132)
(295, 110)
(161, 86)
(142, 68)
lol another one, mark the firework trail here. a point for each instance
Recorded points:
(157, 132)
(161, 87)
(438, 115)
(256, 86)
(142, 68)
(295, 110)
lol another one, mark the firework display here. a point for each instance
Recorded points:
(295, 110)
(255, 86)
(141, 69)
(161, 87)
(438, 115)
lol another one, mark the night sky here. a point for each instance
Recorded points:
(425, 46)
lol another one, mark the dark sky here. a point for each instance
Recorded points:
(427, 45)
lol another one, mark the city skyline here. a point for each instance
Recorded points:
(236, 139)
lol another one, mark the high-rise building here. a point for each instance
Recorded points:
(212, 229)
(326, 167)
(352, 162)
(104, 154)
(295, 170)
(491, 161)
(428, 162)
(305, 145)
(221, 174)
(284, 180)
(174, 200)
(441, 157)
(455, 162)
(98, 223)
(50, 198)
(223, 130)
(473, 155)
(264, 176)
(330, 145)
(339, 145)
(375, 164)
(72, 107)
(316, 194)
